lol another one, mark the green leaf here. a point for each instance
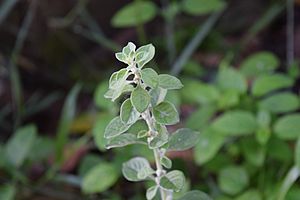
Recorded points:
(280, 103)
(297, 153)
(233, 179)
(288, 126)
(201, 117)
(251, 194)
(235, 123)
(121, 57)
(18, 147)
(115, 128)
(174, 180)
(134, 166)
(259, 63)
(140, 99)
(135, 13)
(268, 83)
(279, 150)
(202, 7)
(166, 162)
(161, 138)
(101, 102)
(144, 54)
(169, 82)
(98, 130)
(232, 80)
(197, 92)
(88, 162)
(228, 99)
(183, 139)
(40, 154)
(7, 192)
(151, 192)
(165, 113)
(195, 195)
(209, 144)
(104, 171)
(128, 113)
(123, 140)
(253, 151)
(149, 77)
(157, 94)
(118, 78)
(290, 178)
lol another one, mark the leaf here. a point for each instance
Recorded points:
(251, 194)
(101, 102)
(115, 128)
(288, 126)
(297, 153)
(88, 162)
(233, 179)
(197, 92)
(135, 13)
(259, 63)
(140, 99)
(128, 113)
(18, 147)
(121, 57)
(65, 121)
(201, 117)
(166, 162)
(202, 7)
(157, 94)
(117, 79)
(174, 180)
(268, 83)
(279, 150)
(123, 140)
(195, 195)
(161, 138)
(165, 113)
(280, 103)
(134, 166)
(228, 99)
(151, 192)
(40, 154)
(183, 139)
(232, 80)
(253, 152)
(149, 77)
(169, 82)
(144, 54)
(209, 144)
(7, 192)
(92, 180)
(99, 129)
(236, 122)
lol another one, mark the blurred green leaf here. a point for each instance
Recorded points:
(88, 162)
(279, 150)
(99, 99)
(289, 180)
(201, 7)
(99, 178)
(65, 121)
(236, 122)
(7, 192)
(18, 147)
(99, 129)
(183, 139)
(201, 117)
(228, 99)
(251, 194)
(297, 153)
(268, 83)
(259, 63)
(280, 103)
(253, 151)
(288, 126)
(42, 148)
(232, 80)
(233, 179)
(135, 13)
(195, 195)
(209, 144)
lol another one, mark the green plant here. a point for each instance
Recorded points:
(146, 91)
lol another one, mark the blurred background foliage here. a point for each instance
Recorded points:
(238, 60)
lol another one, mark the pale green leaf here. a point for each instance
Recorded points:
(202, 7)
(144, 54)
(115, 128)
(135, 13)
(280, 103)
(134, 166)
(18, 147)
(151, 192)
(259, 63)
(235, 123)
(128, 113)
(99, 178)
(183, 139)
(231, 79)
(288, 126)
(195, 195)
(157, 94)
(233, 179)
(165, 113)
(140, 99)
(121, 57)
(169, 82)
(161, 138)
(268, 83)
(123, 140)
(149, 77)
(166, 162)
(174, 180)
(253, 152)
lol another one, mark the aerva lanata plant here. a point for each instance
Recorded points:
(146, 91)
